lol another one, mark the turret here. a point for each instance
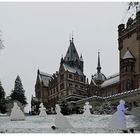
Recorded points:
(121, 27)
(62, 60)
(81, 63)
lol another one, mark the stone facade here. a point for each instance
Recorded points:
(129, 41)
(69, 82)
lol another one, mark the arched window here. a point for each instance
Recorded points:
(128, 67)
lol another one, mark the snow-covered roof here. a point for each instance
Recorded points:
(93, 82)
(45, 74)
(128, 54)
(111, 80)
(35, 99)
(75, 96)
(113, 75)
(45, 78)
(72, 70)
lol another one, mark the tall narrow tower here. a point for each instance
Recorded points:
(129, 53)
(99, 77)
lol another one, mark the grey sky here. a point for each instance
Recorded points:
(37, 34)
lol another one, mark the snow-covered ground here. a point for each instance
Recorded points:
(81, 124)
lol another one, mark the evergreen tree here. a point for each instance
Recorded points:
(104, 108)
(65, 108)
(2, 92)
(18, 92)
(2, 99)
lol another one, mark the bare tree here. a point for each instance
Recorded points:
(133, 5)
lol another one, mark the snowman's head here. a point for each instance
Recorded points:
(58, 109)
(41, 104)
(122, 102)
(87, 103)
(15, 104)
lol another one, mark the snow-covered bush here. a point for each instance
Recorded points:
(104, 108)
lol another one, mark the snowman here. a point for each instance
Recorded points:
(42, 111)
(87, 108)
(60, 120)
(118, 120)
(16, 113)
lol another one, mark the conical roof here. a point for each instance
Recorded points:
(127, 55)
(71, 54)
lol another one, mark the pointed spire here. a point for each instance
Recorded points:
(69, 37)
(71, 54)
(87, 81)
(61, 59)
(62, 56)
(81, 58)
(72, 36)
(98, 66)
(38, 71)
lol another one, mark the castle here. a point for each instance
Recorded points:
(70, 84)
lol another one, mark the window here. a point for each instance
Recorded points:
(128, 67)
(82, 79)
(70, 76)
(76, 77)
(62, 77)
(61, 86)
(70, 85)
(76, 86)
(128, 85)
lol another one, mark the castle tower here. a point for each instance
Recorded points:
(72, 58)
(129, 53)
(99, 77)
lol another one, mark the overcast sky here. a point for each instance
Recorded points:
(36, 35)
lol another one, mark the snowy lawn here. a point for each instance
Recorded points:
(81, 124)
